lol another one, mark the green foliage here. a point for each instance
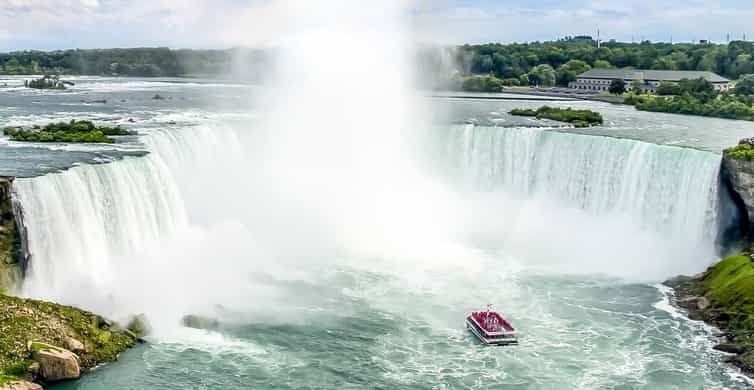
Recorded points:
(637, 85)
(723, 106)
(699, 88)
(518, 59)
(665, 88)
(617, 87)
(523, 112)
(741, 152)
(129, 62)
(49, 324)
(695, 97)
(482, 84)
(745, 85)
(73, 131)
(730, 285)
(602, 64)
(542, 75)
(578, 118)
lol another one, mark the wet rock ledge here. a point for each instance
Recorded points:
(12, 258)
(723, 296)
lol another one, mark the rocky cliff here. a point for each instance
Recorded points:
(12, 258)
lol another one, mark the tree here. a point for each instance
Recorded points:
(617, 87)
(602, 64)
(637, 86)
(667, 88)
(542, 75)
(699, 88)
(745, 85)
(570, 70)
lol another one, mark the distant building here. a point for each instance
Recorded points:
(598, 80)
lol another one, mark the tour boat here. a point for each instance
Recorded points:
(491, 328)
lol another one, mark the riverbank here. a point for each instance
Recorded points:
(565, 93)
(44, 342)
(723, 296)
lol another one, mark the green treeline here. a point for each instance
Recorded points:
(578, 118)
(145, 62)
(537, 63)
(559, 62)
(73, 131)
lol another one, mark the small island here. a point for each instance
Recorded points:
(73, 131)
(578, 118)
(47, 82)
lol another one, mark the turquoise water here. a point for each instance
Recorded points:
(567, 234)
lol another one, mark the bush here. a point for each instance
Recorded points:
(73, 131)
(482, 84)
(578, 118)
(741, 152)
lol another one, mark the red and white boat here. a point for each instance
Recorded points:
(491, 328)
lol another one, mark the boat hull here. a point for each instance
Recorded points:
(509, 339)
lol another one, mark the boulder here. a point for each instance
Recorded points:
(199, 322)
(74, 345)
(731, 348)
(695, 306)
(33, 371)
(139, 326)
(55, 364)
(20, 385)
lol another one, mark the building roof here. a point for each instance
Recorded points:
(653, 75)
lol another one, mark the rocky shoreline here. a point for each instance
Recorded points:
(723, 296)
(43, 342)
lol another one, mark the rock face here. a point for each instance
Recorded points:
(55, 364)
(11, 246)
(20, 385)
(738, 175)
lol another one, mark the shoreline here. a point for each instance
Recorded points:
(718, 297)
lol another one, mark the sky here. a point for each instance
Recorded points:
(68, 24)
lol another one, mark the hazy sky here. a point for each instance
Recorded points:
(62, 24)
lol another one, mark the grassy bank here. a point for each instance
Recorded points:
(24, 320)
(724, 296)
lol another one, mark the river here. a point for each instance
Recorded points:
(325, 274)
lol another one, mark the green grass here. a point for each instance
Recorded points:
(15, 372)
(730, 285)
(23, 320)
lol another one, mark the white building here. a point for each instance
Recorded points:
(599, 80)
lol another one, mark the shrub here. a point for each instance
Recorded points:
(578, 118)
(73, 131)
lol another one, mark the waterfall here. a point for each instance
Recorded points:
(637, 189)
(196, 213)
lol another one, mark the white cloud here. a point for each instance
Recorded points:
(49, 24)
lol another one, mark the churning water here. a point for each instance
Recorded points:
(340, 235)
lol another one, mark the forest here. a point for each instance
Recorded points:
(559, 62)
(536, 63)
(143, 62)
